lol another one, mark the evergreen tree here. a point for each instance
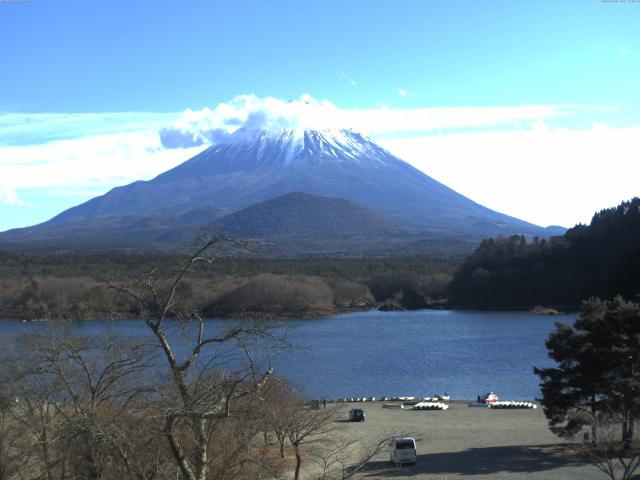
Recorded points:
(601, 259)
(596, 377)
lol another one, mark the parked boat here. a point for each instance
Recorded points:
(488, 398)
(510, 404)
(430, 406)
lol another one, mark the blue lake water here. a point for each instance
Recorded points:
(414, 353)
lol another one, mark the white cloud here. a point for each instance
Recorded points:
(543, 175)
(248, 111)
(80, 154)
(33, 128)
(208, 126)
(343, 76)
(9, 196)
(509, 158)
(402, 92)
(95, 163)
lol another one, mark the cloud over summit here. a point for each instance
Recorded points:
(250, 112)
(207, 126)
(79, 155)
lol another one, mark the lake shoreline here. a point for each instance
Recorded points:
(439, 304)
(291, 316)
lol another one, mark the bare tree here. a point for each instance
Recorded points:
(611, 451)
(78, 398)
(278, 400)
(101, 408)
(346, 458)
(202, 388)
(39, 420)
(12, 459)
(307, 428)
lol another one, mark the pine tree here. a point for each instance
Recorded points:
(596, 377)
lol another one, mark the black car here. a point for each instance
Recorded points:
(356, 415)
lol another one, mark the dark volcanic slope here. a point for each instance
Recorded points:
(301, 215)
(292, 225)
(259, 165)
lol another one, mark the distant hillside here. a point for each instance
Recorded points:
(298, 223)
(292, 225)
(127, 232)
(302, 215)
(601, 259)
(255, 166)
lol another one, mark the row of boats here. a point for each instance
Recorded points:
(434, 398)
(510, 404)
(491, 400)
(430, 406)
(437, 402)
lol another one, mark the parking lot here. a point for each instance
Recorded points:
(477, 443)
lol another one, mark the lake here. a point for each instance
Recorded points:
(416, 353)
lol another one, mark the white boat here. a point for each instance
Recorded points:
(488, 398)
(430, 406)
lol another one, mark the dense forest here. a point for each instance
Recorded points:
(601, 259)
(69, 285)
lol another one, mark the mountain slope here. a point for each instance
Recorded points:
(298, 224)
(257, 165)
(292, 225)
(306, 216)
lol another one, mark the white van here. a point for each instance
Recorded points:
(402, 450)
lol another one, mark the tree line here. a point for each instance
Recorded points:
(64, 286)
(601, 259)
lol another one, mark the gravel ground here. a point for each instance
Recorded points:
(476, 443)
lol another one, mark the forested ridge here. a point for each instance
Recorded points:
(600, 259)
(58, 286)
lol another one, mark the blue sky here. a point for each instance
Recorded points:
(85, 87)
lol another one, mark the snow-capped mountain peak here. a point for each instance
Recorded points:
(256, 165)
(286, 146)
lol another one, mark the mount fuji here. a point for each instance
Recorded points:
(255, 166)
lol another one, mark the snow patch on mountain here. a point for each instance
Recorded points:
(254, 165)
(290, 144)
